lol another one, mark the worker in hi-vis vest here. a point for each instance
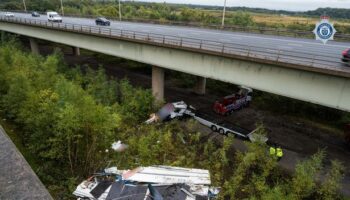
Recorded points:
(276, 152)
(279, 153)
(272, 151)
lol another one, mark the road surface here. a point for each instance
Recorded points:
(329, 55)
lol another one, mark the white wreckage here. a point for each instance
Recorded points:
(170, 111)
(148, 183)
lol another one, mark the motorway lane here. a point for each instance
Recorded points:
(287, 45)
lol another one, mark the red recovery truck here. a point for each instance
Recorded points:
(233, 102)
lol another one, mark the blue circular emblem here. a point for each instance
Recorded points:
(325, 31)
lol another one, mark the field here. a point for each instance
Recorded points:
(287, 20)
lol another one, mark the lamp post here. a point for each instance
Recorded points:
(223, 15)
(62, 7)
(24, 5)
(120, 11)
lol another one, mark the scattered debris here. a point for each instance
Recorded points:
(170, 111)
(119, 147)
(148, 183)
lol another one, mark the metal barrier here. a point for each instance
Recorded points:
(245, 52)
(249, 29)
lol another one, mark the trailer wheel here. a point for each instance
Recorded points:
(213, 128)
(221, 131)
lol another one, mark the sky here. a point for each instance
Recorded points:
(291, 5)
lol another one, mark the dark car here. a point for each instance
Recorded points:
(35, 14)
(346, 55)
(103, 21)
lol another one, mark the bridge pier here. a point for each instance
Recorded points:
(76, 51)
(158, 83)
(199, 88)
(34, 46)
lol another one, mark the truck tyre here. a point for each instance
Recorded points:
(221, 131)
(213, 128)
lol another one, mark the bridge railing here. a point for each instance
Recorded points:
(339, 36)
(245, 52)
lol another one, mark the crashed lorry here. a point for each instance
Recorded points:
(148, 183)
(180, 110)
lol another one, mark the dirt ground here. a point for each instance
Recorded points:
(298, 138)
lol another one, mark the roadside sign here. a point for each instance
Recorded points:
(324, 30)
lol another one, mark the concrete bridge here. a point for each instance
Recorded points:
(313, 77)
(18, 180)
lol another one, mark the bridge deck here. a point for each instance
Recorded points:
(18, 180)
(304, 54)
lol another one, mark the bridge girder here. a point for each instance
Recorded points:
(323, 89)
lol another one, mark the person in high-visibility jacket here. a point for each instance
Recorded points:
(272, 151)
(279, 153)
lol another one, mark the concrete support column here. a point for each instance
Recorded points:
(158, 83)
(34, 46)
(199, 88)
(76, 51)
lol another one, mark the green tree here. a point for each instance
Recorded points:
(241, 19)
(304, 181)
(134, 103)
(331, 185)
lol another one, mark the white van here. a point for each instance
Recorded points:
(54, 17)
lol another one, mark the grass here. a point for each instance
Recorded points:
(275, 20)
(287, 20)
(278, 19)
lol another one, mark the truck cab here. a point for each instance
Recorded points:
(54, 17)
(236, 101)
